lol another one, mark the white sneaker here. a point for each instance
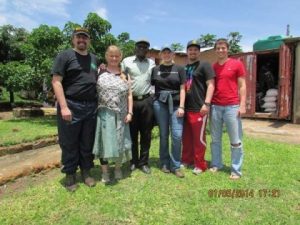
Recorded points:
(105, 178)
(214, 169)
(197, 171)
(183, 166)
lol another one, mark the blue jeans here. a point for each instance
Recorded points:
(229, 116)
(166, 122)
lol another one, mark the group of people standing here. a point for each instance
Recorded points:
(108, 112)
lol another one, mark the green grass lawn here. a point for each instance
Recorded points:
(17, 131)
(164, 199)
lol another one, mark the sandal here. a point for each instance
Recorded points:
(234, 176)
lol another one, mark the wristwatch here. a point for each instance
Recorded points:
(207, 104)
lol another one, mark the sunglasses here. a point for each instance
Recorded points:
(80, 29)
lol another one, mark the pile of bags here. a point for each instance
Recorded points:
(270, 100)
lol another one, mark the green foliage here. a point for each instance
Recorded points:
(177, 47)
(100, 38)
(11, 41)
(42, 43)
(68, 31)
(234, 39)
(123, 37)
(19, 76)
(42, 46)
(207, 40)
(126, 45)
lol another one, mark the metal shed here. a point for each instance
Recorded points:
(286, 64)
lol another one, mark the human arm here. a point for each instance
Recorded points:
(60, 96)
(242, 93)
(180, 111)
(129, 115)
(209, 94)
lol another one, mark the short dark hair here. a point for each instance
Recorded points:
(221, 41)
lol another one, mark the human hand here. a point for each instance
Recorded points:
(180, 112)
(204, 109)
(101, 68)
(66, 114)
(242, 110)
(128, 118)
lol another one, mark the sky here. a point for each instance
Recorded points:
(163, 22)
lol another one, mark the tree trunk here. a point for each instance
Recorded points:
(11, 97)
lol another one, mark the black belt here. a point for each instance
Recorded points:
(140, 97)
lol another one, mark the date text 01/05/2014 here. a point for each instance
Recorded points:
(243, 193)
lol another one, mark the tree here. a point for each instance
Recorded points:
(126, 45)
(18, 76)
(234, 39)
(11, 41)
(207, 40)
(177, 47)
(67, 34)
(99, 31)
(42, 46)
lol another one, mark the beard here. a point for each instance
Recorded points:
(81, 46)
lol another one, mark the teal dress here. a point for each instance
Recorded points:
(112, 138)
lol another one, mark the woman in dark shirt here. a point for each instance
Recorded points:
(168, 80)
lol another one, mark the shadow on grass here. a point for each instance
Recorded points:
(97, 175)
(154, 162)
(225, 169)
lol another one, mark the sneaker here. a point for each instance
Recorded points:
(214, 169)
(87, 178)
(132, 167)
(197, 171)
(184, 166)
(70, 183)
(118, 174)
(165, 169)
(145, 169)
(178, 173)
(105, 178)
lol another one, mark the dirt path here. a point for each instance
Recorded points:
(21, 184)
(278, 131)
(6, 115)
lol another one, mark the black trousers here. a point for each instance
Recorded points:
(76, 138)
(142, 123)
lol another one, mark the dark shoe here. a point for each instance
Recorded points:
(70, 183)
(179, 173)
(146, 169)
(165, 169)
(132, 167)
(87, 178)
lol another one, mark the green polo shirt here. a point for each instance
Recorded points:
(140, 74)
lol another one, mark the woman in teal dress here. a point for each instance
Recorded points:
(112, 139)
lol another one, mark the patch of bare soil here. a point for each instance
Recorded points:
(21, 184)
(6, 115)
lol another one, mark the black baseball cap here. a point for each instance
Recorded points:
(81, 30)
(193, 43)
(166, 47)
(143, 41)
